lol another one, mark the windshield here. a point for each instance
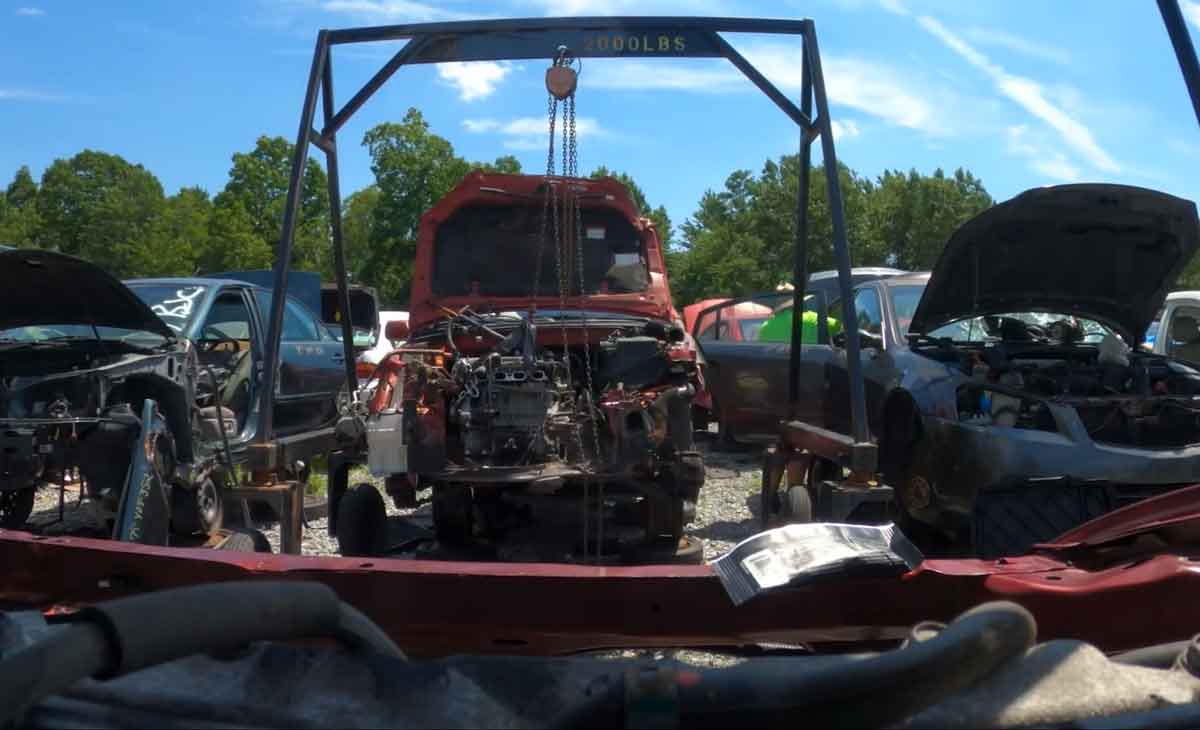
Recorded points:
(490, 250)
(974, 329)
(76, 331)
(175, 304)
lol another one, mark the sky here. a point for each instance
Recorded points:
(1022, 93)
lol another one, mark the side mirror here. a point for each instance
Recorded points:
(397, 329)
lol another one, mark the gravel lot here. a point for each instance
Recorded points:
(726, 514)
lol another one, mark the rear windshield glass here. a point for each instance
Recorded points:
(176, 304)
(495, 248)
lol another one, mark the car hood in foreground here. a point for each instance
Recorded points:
(1104, 252)
(48, 288)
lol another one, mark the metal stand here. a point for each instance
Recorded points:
(287, 499)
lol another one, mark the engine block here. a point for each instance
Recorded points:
(503, 405)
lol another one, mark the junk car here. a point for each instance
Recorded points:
(537, 370)
(1007, 388)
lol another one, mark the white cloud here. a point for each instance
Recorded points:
(1028, 94)
(1041, 157)
(473, 79)
(866, 86)
(480, 125)
(530, 133)
(27, 95)
(390, 11)
(1191, 11)
(843, 130)
(1017, 44)
(894, 6)
(666, 74)
(30, 12)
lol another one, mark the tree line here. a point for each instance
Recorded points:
(100, 207)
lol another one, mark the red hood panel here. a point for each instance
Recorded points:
(518, 190)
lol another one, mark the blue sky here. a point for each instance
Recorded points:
(1022, 93)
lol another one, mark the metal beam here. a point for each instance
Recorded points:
(780, 26)
(774, 94)
(841, 247)
(334, 123)
(1185, 52)
(283, 251)
(335, 224)
(800, 262)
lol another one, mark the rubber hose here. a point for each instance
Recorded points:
(49, 666)
(359, 632)
(861, 690)
(1160, 656)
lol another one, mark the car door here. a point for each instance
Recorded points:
(228, 346)
(747, 360)
(312, 369)
(876, 362)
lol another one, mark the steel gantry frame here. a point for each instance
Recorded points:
(524, 39)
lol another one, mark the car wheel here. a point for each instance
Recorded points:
(15, 507)
(199, 510)
(246, 541)
(361, 528)
(453, 513)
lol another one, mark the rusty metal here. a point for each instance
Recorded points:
(286, 498)
(440, 608)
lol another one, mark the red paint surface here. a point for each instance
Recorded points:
(435, 608)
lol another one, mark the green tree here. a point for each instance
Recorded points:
(358, 222)
(741, 239)
(912, 215)
(19, 220)
(233, 243)
(258, 182)
(662, 221)
(102, 208)
(413, 169)
(507, 164)
(181, 235)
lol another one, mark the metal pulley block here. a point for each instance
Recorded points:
(561, 78)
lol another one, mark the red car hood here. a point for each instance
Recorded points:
(480, 188)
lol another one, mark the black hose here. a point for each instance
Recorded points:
(1160, 656)
(861, 690)
(127, 634)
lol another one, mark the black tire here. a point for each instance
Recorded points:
(361, 528)
(687, 550)
(453, 513)
(246, 541)
(16, 505)
(200, 510)
(796, 505)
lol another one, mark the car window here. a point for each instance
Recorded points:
(868, 312)
(1183, 332)
(299, 324)
(228, 318)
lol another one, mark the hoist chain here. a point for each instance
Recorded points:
(568, 241)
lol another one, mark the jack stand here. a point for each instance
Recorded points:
(287, 499)
(846, 497)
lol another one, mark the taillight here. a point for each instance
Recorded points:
(364, 369)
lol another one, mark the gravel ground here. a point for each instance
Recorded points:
(726, 514)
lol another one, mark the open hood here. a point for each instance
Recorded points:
(47, 288)
(1104, 252)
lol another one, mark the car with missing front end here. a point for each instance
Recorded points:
(92, 380)
(534, 371)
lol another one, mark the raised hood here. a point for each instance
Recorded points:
(47, 288)
(1104, 252)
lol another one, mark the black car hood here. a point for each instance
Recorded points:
(47, 288)
(1104, 252)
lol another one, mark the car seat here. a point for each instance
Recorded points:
(1185, 338)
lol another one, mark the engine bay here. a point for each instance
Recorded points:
(1123, 397)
